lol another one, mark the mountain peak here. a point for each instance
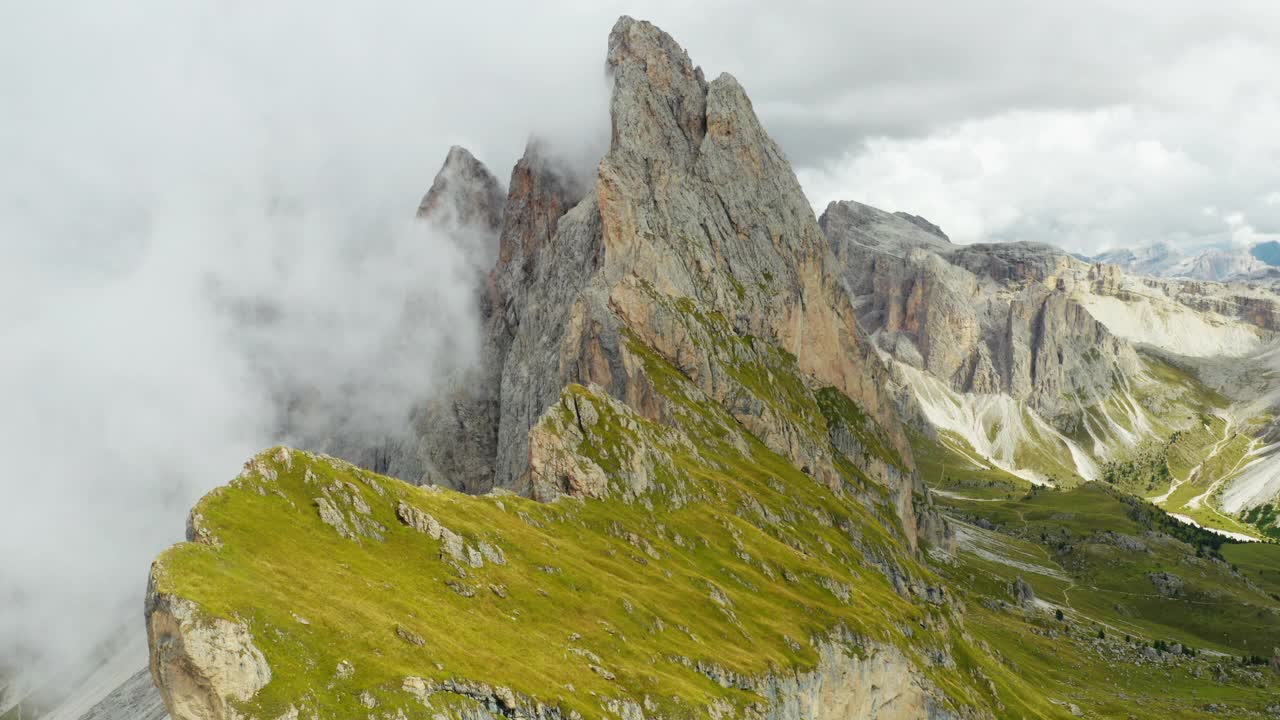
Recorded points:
(895, 233)
(464, 193)
(652, 341)
(696, 230)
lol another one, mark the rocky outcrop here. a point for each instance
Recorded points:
(876, 684)
(202, 665)
(1023, 594)
(1166, 583)
(881, 684)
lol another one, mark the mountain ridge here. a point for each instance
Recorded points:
(693, 460)
(681, 315)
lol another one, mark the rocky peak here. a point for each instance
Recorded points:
(695, 242)
(464, 193)
(658, 106)
(697, 201)
(691, 172)
(539, 194)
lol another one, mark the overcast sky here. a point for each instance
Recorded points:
(159, 160)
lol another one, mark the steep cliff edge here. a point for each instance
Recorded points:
(983, 318)
(1028, 361)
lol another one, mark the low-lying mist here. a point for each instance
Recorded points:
(204, 215)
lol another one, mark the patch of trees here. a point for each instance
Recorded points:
(1147, 469)
(1150, 517)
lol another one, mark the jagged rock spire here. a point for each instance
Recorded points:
(696, 199)
(659, 100)
(692, 206)
(464, 193)
(460, 430)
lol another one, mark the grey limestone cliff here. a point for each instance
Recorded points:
(982, 318)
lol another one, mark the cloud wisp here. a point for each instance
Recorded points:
(207, 221)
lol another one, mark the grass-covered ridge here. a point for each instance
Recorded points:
(594, 599)
(726, 561)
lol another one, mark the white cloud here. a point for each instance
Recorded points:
(1125, 174)
(1047, 175)
(204, 208)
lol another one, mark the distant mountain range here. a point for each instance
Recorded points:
(1219, 264)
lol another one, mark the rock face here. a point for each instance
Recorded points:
(532, 285)
(983, 319)
(694, 234)
(1010, 326)
(882, 686)
(201, 665)
(1030, 358)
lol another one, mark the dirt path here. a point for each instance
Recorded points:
(1194, 503)
(1195, 471)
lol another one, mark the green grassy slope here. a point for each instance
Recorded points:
(700, 554)
(952, 466)
(1213, 607)
(1102, 558)
(731, 558)
(1259, 562)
